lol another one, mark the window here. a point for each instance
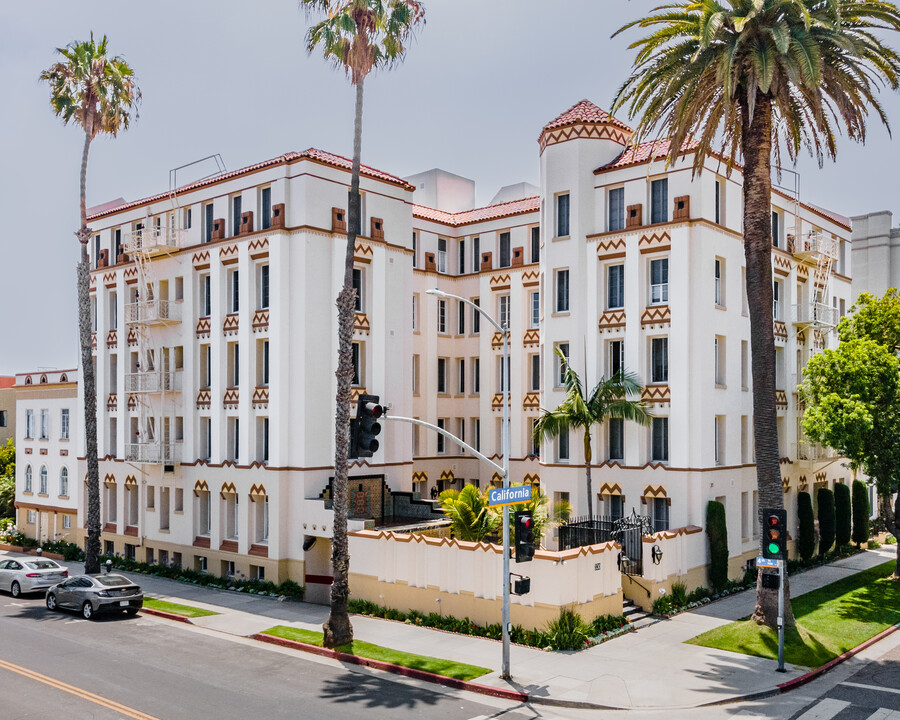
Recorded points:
(264, 374)
(415, 374)
(186, 218)
(96, 251)
(562, 446)
(719, 439)
(45, 424)
(415, 312)
(616, 439)
(205, 296)
(503, 310)
(3, 419)
(659, 360)
(660, 440)
(356, 374)
(461, 374)
(358, 289)
(562, 291)
(263, 287)
(561, 364)
(476, 433)
(719, 295)
(29, 424)
(206, 438)
(265, 203)
(234, 439)
(234, 291)
(660, 514)
(476, 316)
(442, 376)
(776, 228)
(659, 281)
(442, 256)
(441, 441)
(179, 500)
(235, 214)
(562, 215)
(461, 318)
(442, 316)
(616, 201)
(616, 357)
(745, 440)
(535, 373)
(615, 287)
(476, 375)
(28, 479)
(503, 374)
(164, 496)
(117, 244)
(659, 201)
(208, 222)
(64, 424)
(476, 254)
(43, 486)
(32, 517)
(536, 244)
(720, 196)
(205, 366)
(776, 299)
(720, 360)
(234, 376)
(505, 259)
(67, 522)
(415, 249)
(461, 257)
(535, 310)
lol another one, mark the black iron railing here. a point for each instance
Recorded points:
(628, 531)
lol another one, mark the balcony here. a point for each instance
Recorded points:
(155, 453)
(154, 241)
(807, 450)
(154, 312)
(153, 382)
(814, 315)
(814, 246)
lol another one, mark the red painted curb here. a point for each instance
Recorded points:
(396, 669)
(813, 674)
(166, 615)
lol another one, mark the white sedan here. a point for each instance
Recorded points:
(25, 575)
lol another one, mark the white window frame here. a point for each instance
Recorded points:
(442, 256)
(659, 292)
(560, 366)
(535, 306)
(64, 424)
(562, 290)
(503, 305)
(442, 317)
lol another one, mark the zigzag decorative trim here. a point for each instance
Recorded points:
(362, 252)
(258, 247)
(655, 242)
(780, 329)
(500, 282)
(130, 275)
(361, 323)
(227, 489)
(531, 338)
(203, 327)
(109, 480)
(203, 398)
(232, 397)
(130, 481)
(231, 323)
(495, 478)
(781, 402)
(261, 320)
(612, 320)
(611, 247)
(112, 338)
(496, 341)
(200, 486)
(656, 394)
(656, 315)
(497, 401)
(132, 337)
(531, 278)
(589, 131)
(200, 259)
(258, 490)
(261, 396)
(228, 252)
(532, 478)
(532, 401)
(446, 475)
(420, 476)
(610, 489)
(821, 477)
(786, 485)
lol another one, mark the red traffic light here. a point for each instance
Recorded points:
(527, 523)
(373, 409)
(773, 520)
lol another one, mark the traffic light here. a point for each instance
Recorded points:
(364, 429)
(521, 585)
(774, 534)
(524, 524)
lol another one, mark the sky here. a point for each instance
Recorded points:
(233, 77)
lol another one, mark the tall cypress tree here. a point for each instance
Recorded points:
(842, 515)
(806, 540)
(860, 513)
(826, 520)
(717, 531)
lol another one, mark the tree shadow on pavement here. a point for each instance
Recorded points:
(371, 692)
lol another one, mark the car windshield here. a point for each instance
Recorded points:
(42, 565)
(112, 580)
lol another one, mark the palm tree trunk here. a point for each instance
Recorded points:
(337, 629)
(89, 386)
(757, 151)
(588, 457)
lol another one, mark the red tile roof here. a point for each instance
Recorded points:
(467, 217)
(585, 112)
(833, 216)
(637, 154)
(7, 382)
(312, 154)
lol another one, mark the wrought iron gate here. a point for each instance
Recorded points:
(627, 531)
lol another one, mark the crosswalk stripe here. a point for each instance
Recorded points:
(885, 714)
(878, 688)
(824, 709)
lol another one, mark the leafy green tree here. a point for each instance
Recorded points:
(358, 37)
(749, 79)
(470, 515)
(98, 93)
(852, 397)
(843, 519)
(717, 531)
(7, 480)
(826, 520)
(860, 513)
(806, 534)
(609, 399)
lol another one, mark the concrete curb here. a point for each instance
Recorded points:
(396, 669)
(166, 615)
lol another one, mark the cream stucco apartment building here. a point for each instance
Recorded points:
(216, 344)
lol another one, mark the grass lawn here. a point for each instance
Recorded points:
(176, 609)
(447, 668)
(830, 621)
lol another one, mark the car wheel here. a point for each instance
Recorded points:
(51, 602)
(87, 611)
(15, 590)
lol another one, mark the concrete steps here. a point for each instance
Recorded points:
(637, 617)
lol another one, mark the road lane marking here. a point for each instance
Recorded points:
(884, 714)
(824, 709)
(77, 692)
(863, 686)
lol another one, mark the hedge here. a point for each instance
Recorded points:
(860, 513)
(806, 540)
(826, 520)
(842, 515)
(717, 531)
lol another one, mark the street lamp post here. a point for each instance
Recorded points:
(504, 441)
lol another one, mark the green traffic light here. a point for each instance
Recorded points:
(774, 549)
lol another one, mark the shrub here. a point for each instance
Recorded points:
(663, 605)
(874, 545)
(679, 594)
(843, 518)
(806, 540)
(701, 593)
(568, 631)
(718, 544)
(70, 551)
(860, 513)
(890, 540)
(605, 623)
(826, 520)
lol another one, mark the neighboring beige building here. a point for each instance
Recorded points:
(7, 409)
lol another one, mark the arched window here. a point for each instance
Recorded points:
(43, 479)
(63, 378)
(64, 482)
(28, 380)
(43, 379)
(28, 478)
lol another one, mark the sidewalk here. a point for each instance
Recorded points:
(650, 668)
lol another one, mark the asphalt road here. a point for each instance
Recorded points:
(56, 665)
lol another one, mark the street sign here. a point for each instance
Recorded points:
(509, 495)
(766, 562)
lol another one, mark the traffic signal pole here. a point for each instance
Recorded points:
(781, 564)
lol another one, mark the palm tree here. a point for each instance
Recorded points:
(358, 36)
(747, 77)
(470, 516)
(98, 93)
(609, 399)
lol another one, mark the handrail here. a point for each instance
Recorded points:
(646, 590)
